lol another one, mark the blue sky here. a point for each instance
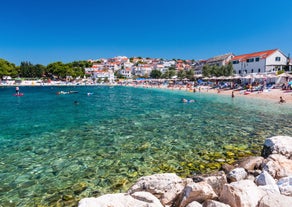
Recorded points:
(46, 31)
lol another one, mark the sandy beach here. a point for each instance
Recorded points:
(272, 94)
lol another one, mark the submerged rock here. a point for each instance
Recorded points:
(79, 187)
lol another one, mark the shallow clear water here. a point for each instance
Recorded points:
(54, 151)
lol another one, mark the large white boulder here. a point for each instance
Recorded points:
(251, 163)
(275, 200)
(243, 193)
(278, 166)
(138, 199)
(212, 203)
(166, 187)
(236, 174)
(266, 182)
(278, 145)
(285, 186)
(265, 179)
(194, 204)
(217, 182)
(200, 192)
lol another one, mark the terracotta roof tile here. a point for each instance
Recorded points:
(262, 54)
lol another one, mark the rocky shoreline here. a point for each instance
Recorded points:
(258, 181)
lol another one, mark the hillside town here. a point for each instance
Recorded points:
(263, 62)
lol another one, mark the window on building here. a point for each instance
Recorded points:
(239, 72)
(245, 71)
(259, 70)
(235, 62)
(257, 59)
(251, 70)
(250, 60)
(277, 58)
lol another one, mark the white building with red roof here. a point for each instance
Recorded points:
(259, 62)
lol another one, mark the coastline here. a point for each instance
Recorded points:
(117, 179)
(271, 94)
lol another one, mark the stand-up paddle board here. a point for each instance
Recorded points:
(19, 94)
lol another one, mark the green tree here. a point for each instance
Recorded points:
(7, 69)
(39, 70)
(165, 74)
(27, 69)
(172, 68)
(217, 71)
(229, 70)
(190, 74)
(62, 70)
(118, 74)
(181, 74)
(99, 80)
(206, 71)
(155, 74)
(54, 69)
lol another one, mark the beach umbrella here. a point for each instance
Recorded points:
(271, 76)
(259, 76)
(248, 77)
(285, 75)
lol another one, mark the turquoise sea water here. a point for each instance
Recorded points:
(55, 152)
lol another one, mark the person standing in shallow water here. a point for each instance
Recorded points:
(232, 94)
(282, 100)
(17, 90)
